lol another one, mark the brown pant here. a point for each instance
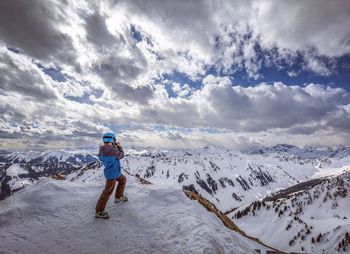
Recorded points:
(102, 202)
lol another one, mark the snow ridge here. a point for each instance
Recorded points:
(59, 216)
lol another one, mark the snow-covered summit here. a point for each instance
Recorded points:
(58, 217)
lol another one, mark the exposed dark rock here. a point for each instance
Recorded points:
(236, 197)
(190, 188)
(182, 177)
(243, 183)
(224, 180)
(212, 183)
(150, 171)
(203, 183)
(214, 166)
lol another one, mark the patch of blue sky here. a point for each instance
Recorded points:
(14, 50)
(35, 125)
(55, 74)
(215, 71)
(85, 98)
(287, 73)
(294, 72)
(270, 75)
(290, 71)
(170, 91)
(135, 33)
(120, 128)
(158, 56)
(161, 128)
(341, 78)
(139, 37)
(210, 130)
(183, 130)
(181, 78)
(15, 125)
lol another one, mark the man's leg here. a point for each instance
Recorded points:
(120, 187)
(102, 202)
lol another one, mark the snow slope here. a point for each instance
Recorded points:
(295, 218)
(231, 179)
(14, 170)
(58, 217)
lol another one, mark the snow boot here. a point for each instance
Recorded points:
(120, 200)
(102, 215)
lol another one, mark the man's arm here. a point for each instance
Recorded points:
(119, 152)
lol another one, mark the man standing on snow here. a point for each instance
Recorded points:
(110, 153)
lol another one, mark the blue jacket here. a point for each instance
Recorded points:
(110, 157)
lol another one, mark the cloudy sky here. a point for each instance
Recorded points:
(174, 74)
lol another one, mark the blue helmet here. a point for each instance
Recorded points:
(108, 137)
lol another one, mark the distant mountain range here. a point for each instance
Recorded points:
(20, 169)
(229, 178)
